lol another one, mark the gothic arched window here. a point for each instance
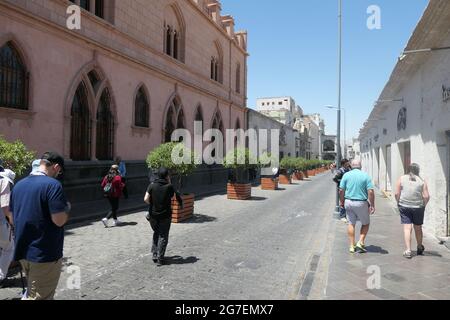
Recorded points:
(14, 79)
(141, 109)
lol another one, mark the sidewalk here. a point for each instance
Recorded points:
(421, 278)
(88, 211)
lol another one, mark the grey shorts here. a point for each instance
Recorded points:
(357, 211)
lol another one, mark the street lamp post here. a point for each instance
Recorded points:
(345, 126)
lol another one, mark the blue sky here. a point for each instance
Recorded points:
(293, 52)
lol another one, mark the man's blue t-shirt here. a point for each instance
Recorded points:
(33, 201)
(356, 185)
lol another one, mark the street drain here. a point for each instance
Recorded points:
(306, 287)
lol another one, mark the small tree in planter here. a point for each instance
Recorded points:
(239, 161)
(15, 156)
(287, 165)
(268, 182)
(300, 166)
(162, 156)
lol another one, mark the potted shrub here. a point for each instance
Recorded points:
(238, 161)
(268, 182)
(300, 166)
(311, 168)
(15, 156)
(287, 166)
(162, 157)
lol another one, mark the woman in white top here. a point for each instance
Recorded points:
(6, 237)
(411, 193)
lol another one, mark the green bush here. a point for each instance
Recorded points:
(16, 156)
(162, 157)
(240, 160)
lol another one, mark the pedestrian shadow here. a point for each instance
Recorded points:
(180, 260)
(200, 218)
(376, 249)
(258, 198)
(431, 254)
(126, 224)
(280, 189)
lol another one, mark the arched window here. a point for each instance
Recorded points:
(218, 124)
(105, 128)
(174, 32)
(80, 137)
(174, 119)
(199, 118)
(217, 63)
(141, 109)
(238, 78)
(98, 9)
(14, 79)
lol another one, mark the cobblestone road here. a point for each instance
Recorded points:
(257, 249)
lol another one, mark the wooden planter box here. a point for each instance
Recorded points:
(180, 215)
(285, 179)
(238, 191)
(305, 174)
(311, 173)
(298, 176)
(269, 184)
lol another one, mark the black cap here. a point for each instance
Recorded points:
(54, 158)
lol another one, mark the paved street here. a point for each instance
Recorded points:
(280, 245)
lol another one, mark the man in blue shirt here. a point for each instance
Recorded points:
(357, 196)
(40, 211)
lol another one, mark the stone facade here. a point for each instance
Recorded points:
(135, 71)
(411, 123)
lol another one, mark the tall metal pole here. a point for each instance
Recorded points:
(338, 158)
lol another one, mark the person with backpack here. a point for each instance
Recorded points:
(159, 197)
(6, 224)
(345, 167)
(112, 190)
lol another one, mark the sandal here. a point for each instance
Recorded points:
(407, 254)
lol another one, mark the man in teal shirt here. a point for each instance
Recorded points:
(357, 196)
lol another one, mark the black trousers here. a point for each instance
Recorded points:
(161, 228)
(125, 189)
(114, 202)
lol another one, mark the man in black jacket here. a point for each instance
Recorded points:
(345, 167)
(159, 196)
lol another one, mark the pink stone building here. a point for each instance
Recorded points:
(119, 86)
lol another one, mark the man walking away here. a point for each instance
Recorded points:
(6, 225)
(345, 167)
(159, 196)
(357, 196)
(40, 211)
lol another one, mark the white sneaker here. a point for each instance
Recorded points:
(105, 222)
(116, 223)
(344, 220)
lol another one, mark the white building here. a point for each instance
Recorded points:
(282, 109)
(411, 122)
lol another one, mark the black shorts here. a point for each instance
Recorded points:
(413, 216)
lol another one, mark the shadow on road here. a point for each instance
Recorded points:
(200, 218)
(126, 224)
(280, 189)
(376, 249)
(180, 260)
(258, 198)
(431, 254)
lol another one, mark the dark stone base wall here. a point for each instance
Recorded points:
(82, 179)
